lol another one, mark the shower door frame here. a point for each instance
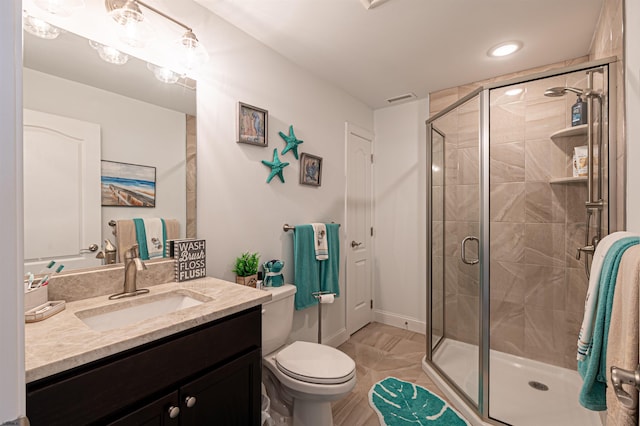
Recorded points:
(482, 407)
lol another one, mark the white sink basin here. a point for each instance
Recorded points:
(139, 308)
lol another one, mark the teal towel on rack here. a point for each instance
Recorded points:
(313, 275)
(330, 268)
(593, 368)
(305, 266)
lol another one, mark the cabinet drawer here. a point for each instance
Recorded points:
(87, 394)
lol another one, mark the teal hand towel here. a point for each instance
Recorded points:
(330, 268)
(141, 236)
(593, 368)
(305, 267)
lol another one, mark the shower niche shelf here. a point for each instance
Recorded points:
(579, 179)
(570, 131)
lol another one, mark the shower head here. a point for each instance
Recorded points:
(561, 91)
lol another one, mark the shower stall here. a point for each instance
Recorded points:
(516, 209)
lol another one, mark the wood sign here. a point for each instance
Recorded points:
(191, 258)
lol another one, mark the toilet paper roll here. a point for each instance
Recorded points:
(326, 298)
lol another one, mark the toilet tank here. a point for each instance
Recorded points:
(277, 317)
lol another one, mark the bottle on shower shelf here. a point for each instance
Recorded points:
(579, 112)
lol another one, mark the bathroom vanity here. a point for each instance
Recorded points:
(192, 366)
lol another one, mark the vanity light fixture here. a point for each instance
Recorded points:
(128, 14)
(109, 54)
(504, 49)
(163, 74)
(39, 28)
(134, 29)
(60, 7)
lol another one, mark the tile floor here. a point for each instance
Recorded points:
(380, 351)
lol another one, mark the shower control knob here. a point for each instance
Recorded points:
(190, 401)
(173, 412)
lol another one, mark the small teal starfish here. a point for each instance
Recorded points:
(292, 142)
(276, 166)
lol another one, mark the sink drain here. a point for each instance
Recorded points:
(538, 386)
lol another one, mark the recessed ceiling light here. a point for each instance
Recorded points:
(504, 49)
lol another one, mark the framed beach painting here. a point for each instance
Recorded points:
(252, 125)
(127, 185)
(310, 169)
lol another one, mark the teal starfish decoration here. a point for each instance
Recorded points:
(276, 166)
(292, 142)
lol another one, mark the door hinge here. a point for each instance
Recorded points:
(372, 231)
(371, 158)
(371, 303)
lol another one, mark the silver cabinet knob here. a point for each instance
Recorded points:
(190, 401)
(354, 244)
(174, 412)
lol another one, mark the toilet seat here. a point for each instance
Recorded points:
(315, 363)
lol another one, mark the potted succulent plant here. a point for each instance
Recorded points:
(246, 269)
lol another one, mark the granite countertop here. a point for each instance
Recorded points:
(63, 341)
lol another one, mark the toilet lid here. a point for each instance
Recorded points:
(314, 363)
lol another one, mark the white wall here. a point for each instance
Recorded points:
(132, 131)
(237, 210)
(400, 215)
(12, 404)
(632, 87)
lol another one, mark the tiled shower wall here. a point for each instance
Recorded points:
(538, 287)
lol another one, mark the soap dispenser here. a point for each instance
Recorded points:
(579, 112)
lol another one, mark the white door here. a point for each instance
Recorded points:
(62, 212)
(358, 229)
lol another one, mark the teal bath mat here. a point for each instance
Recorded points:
(400, 403)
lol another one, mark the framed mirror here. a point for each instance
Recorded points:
(136, 119)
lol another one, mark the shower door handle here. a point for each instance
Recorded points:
(463, 250)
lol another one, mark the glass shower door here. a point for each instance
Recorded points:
(454, 245)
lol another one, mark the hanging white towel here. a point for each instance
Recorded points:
(155, 240)
(591, 301)
(320, 241)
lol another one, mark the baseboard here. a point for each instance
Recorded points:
(336, 339)
(400, 321)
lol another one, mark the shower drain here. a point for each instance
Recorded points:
(538, 386)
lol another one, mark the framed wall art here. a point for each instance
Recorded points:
(310, 169)
(127, 185)
(252, 125)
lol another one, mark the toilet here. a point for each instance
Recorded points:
(301, 378)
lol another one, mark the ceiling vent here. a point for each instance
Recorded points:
(400, 98)
(370, 4)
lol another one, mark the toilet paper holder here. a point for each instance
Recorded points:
(319, 296)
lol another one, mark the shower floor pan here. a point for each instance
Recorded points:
(512, 399)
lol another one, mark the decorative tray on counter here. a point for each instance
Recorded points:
(44, 311)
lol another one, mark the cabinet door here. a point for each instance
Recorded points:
(163, 411)
(229, 395)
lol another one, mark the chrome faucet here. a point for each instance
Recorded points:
(132, 264)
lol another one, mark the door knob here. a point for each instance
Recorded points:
(92, 247)
(354, 244)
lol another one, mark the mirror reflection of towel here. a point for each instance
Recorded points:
(152, 236)
(126, 235)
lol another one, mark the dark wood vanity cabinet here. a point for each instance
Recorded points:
(208, 375)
